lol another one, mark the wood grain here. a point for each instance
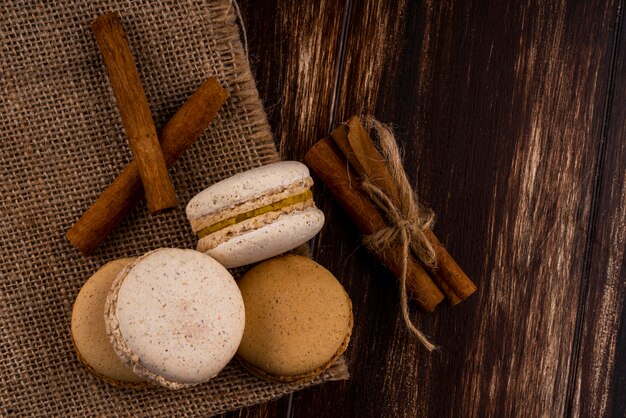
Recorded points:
(294, 58)
(502, 112)
(601, 361)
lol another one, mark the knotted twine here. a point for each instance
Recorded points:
(407, 218)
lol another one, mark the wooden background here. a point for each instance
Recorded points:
(512, 118)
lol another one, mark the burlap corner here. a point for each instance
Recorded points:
(62, 143)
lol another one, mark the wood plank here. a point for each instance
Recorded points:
(601, 362)
(500, 110)
(293, 50)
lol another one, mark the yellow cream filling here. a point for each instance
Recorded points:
(291, 200)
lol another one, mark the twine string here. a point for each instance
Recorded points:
(243, 30)
(408, 219)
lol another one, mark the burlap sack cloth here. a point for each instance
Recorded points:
(62, 143)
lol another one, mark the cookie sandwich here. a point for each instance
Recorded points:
(256, 214)
(174, 317)
(89, 333)
(298, 319)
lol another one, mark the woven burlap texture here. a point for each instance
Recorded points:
(62, 143)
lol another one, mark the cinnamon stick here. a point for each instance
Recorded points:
(357, 146)
(332, 168)
(125, 192)
(449, 272)
(135, 112)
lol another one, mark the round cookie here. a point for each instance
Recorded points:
(298, 319)
(88, 330)
(256, 214)
(174, 316)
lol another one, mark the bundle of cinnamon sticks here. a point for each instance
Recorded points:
(342, 162)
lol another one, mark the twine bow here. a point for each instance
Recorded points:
(407, 218)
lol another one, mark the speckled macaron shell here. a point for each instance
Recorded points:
(298, 319)
(263, 236)
(175, 316)
(89, 333)
(287, 232)
(246, 186)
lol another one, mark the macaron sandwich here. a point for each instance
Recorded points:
(89, 332)
(256, 214)
(298, 319)
(171, 317)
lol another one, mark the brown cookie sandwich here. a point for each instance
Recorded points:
(88, 330)
(298, 319)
